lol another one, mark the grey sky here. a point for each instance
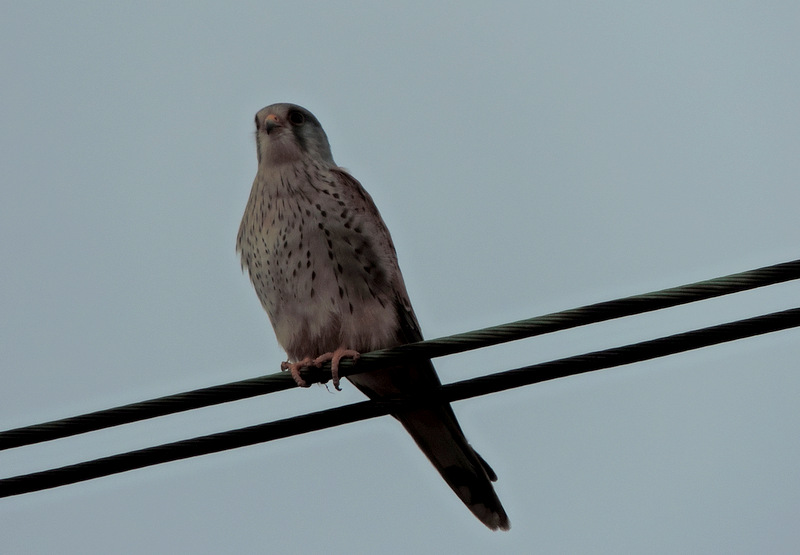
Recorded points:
(527, 159)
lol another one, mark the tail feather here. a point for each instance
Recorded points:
(438, 434)
(460, 465)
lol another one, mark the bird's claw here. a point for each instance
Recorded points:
(295, 367)
(335, 357)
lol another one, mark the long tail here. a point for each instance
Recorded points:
(437, 432)
(438, 435)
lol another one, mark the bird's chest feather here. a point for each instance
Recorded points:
(320, 272)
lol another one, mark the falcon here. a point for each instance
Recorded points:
(325, 269)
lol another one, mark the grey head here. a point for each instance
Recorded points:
(287, 133)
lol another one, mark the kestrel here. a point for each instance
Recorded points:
(325, 269)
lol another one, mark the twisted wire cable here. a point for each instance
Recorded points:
(368, 409)
(486, 337)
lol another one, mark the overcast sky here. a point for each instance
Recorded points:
(527, 157)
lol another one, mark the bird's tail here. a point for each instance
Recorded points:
(438, 434)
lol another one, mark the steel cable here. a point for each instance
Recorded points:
(486, 337)
(368, 409)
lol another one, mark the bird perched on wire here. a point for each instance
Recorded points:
(325, 269)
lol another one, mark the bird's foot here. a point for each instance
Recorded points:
(335, 357)
(295, 367)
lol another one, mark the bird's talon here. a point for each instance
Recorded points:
(335, 357)
(294, 369)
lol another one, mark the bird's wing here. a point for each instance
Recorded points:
(434, 428)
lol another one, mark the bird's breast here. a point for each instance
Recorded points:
(318, 274)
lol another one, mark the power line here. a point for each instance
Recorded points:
(368, 409)
(486, 337)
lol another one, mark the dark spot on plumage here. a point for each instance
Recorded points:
(339, 268)
(327, 233)
(313, 275)
(351, 307)
(330, 244)
(330, 255)
(336, 195)
(357, 229)
(319, 225)
(323, 213)
(368, 269)
(347, 225)
(343, 215)
(308, 253)
(294, 272)
(341, 293)
(308, 263)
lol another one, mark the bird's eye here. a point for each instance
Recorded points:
(296, 118)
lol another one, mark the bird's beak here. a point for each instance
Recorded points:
(271, 122)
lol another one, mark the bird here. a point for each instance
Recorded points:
(325, 269)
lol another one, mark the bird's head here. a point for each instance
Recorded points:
(286, 133)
